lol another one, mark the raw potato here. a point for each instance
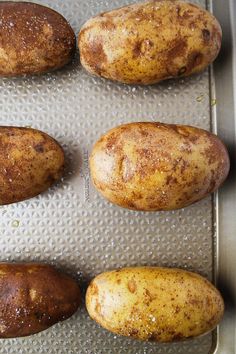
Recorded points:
(148, 42)
(156, 304)
(34, 297)
(34, 39)
(30, 162)
(155, 166)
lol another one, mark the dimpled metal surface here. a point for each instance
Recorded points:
(70, 225)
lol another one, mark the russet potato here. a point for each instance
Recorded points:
(156, 304)
(156, 166)
(34, 39)
(147, 42)
(31, 161)
(33, 297)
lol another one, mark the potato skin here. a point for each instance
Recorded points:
(34, 39)
(34, 297)
(156, 304)
(148, 42)
(31, 161)
(156, 166)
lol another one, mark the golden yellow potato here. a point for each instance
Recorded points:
(148, 42)
(156, 304)
(34, 39)
(155, 166)
(33, 298)
(31, 161)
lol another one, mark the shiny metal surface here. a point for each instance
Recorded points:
(72, 227)
(225, 117)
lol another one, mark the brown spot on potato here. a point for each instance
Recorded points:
(132, 286)
(177, 309)
(171, 180)
(194, 59)
(206, 35)
(182, 70)
(192, 328)
(38, 315)
(39, 147)
(178, 48)
(137, 49)
(132, 332)
(131, 205)
(149, 297)
(178, 337)
(183, 13)
(94, 54)
(108, 25)
(93, 289)
(112, 143)
(153, 337)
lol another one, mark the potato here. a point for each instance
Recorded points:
(155, 166)
(31, 161)
(156, 304)
(33, 298)
(151, 41)
(34, 39)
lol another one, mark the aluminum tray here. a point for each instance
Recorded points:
(74, 228)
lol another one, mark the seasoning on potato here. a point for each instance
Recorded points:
(31, 161)
(148, 42)
(156, 304)
(34, 297)
(34, 39)
(156, 166)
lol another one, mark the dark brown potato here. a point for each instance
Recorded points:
(34, 39)
(34, 297)
(30, 162)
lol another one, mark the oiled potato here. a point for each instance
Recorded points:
(148, 42)
(30, 162)
(33, 297)
(151, 303)
(34, 39)
(155, 166)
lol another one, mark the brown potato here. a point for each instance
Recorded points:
(156, 304)
(34, 39)
(148, 42)
(31, 161)
(155, 166)
(33, 298)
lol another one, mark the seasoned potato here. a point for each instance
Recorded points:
(31, 161)
(148, 42)
(34, 39)
(157, 304)
(33, 298)
(155, 166)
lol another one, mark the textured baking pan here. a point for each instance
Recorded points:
(75, 229)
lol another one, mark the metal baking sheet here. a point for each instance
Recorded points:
(72, 227)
